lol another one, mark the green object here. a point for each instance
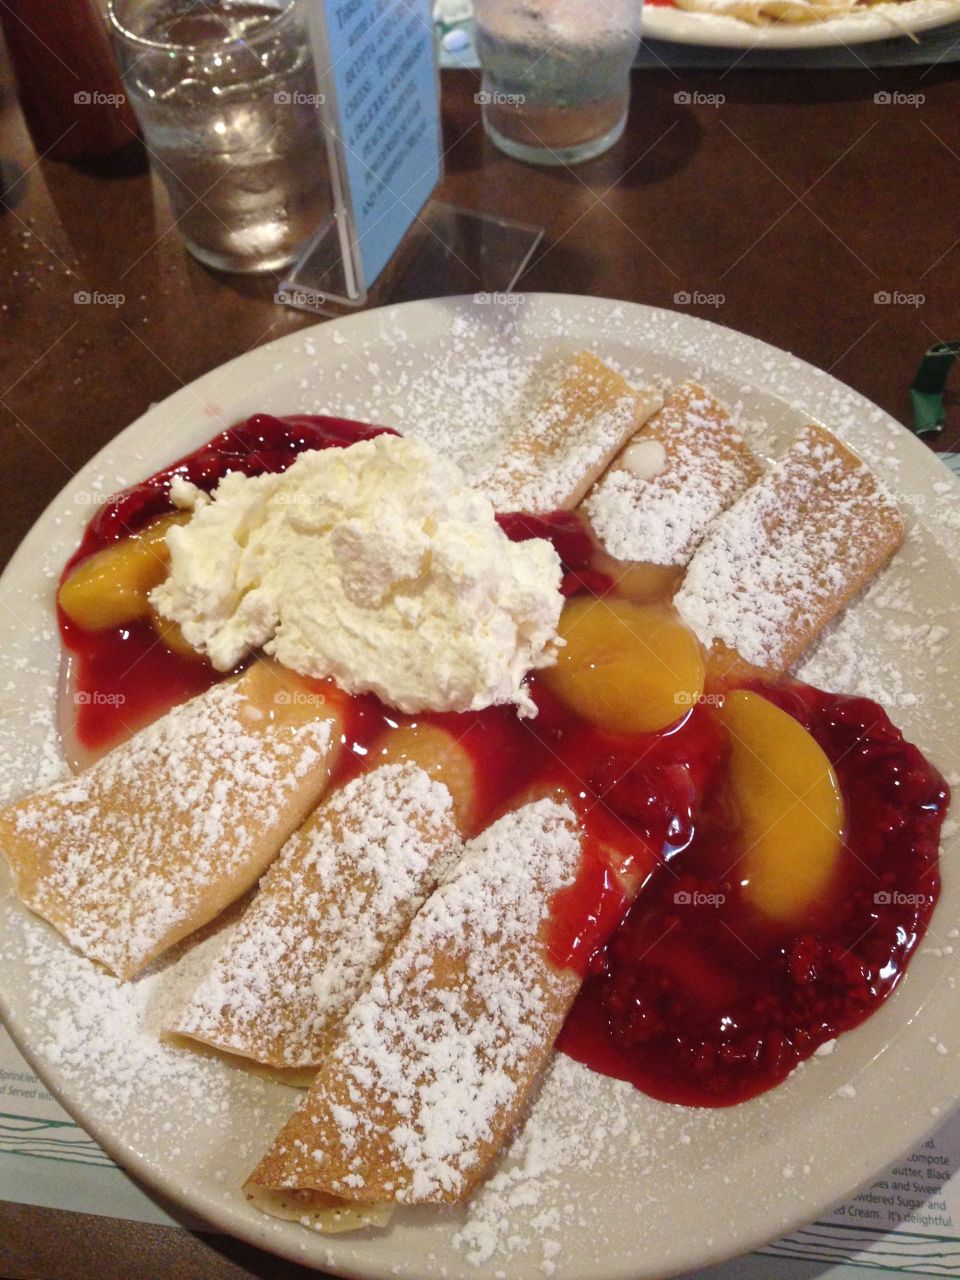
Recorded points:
(926, 394)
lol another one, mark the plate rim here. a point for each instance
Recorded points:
(688, 27)
(222, 1214)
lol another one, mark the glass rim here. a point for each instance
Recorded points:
(211, 47)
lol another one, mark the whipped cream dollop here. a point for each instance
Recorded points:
(375, 564)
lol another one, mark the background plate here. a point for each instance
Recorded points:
(665, 22)
(603, 1182)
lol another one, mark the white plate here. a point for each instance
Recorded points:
(665, 22)
(614, 1185)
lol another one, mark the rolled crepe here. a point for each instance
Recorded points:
(554, 458)
(339, 897)
(170, 827)
(441, 755)
(654, 503)
(784, 560)
(436, 1058)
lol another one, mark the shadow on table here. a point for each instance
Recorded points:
(660, 139)
(13, 185)
(754, 86)
(762, 1267)
(100, 257)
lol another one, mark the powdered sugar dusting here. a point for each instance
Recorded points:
(122, 856)
(436, 1056)
(461, 377)
(523, 1208)
(22, 771)
(528, 488)
(660, 519)
(780, 562)
(550, 461)
(342, 892)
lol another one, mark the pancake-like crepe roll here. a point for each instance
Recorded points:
(436, 1058)
(554, 458)
(339, 897)
(442, 756)
(783, 561)
(170, 827)
(653, 505)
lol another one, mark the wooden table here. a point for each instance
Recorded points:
(795, 200)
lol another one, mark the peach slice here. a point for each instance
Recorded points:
(638, 580)
(172, 636)
(112, 586)
(627, 667)
(790, 808)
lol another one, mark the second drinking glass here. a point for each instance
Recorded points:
(556, 75)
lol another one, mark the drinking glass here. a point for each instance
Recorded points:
(227, 99)
(556, 75)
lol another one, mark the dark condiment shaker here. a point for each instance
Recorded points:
(67, 78)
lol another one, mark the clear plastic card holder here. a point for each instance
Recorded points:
(386, 239)
(447, 251)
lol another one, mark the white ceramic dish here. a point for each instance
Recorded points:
(878, 22)
(612, 1185)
